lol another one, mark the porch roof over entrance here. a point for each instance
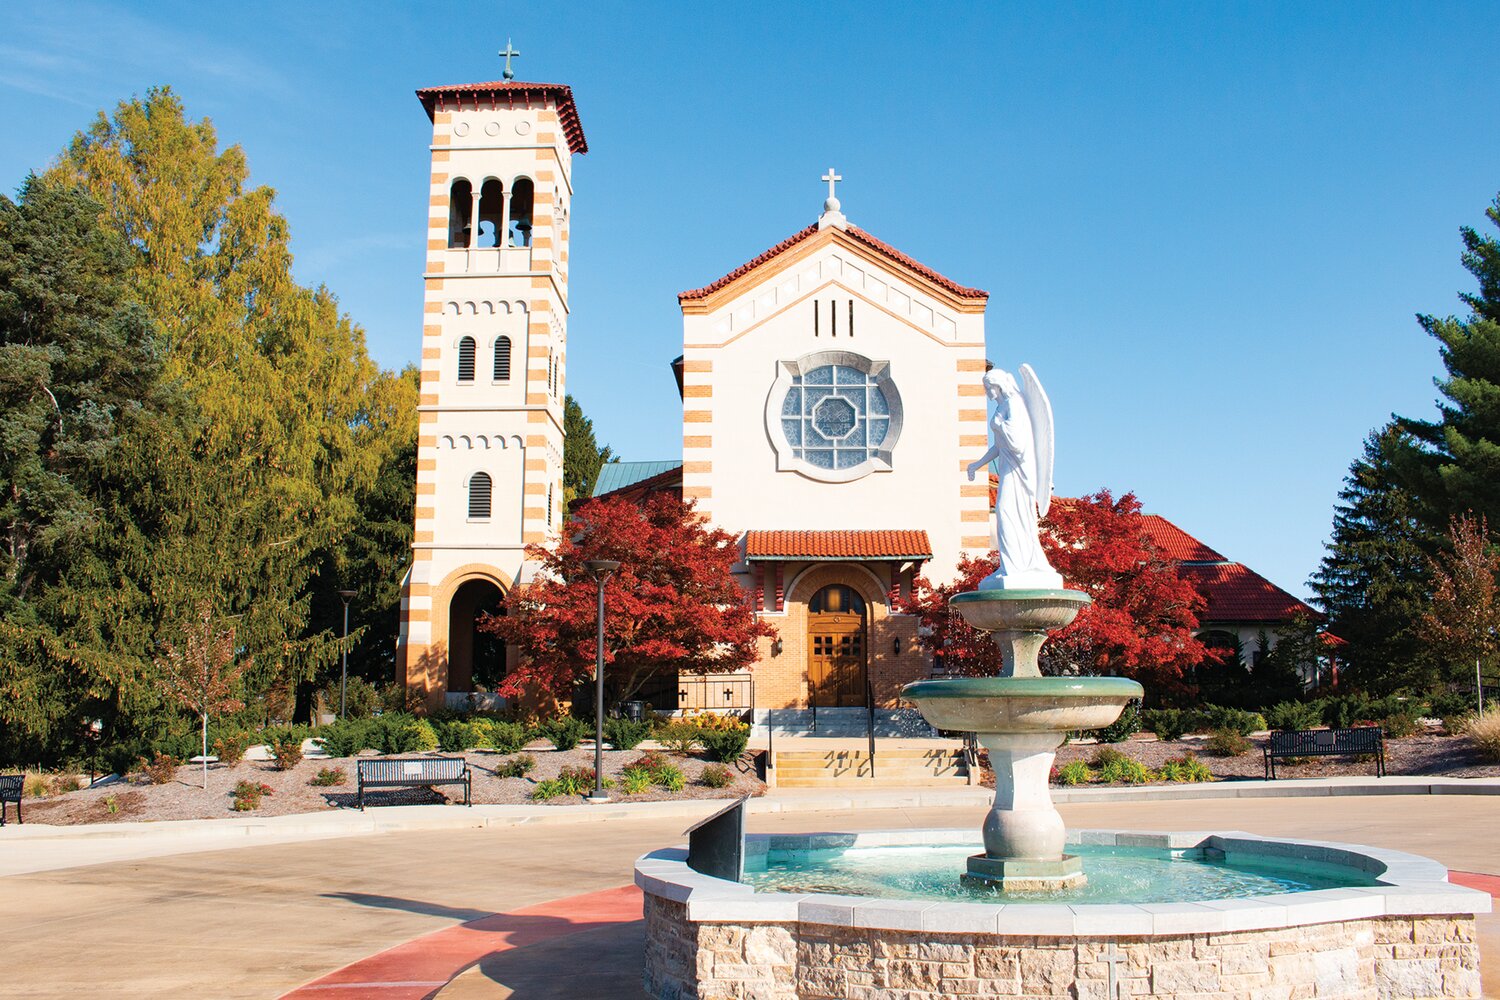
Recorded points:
(840, 545)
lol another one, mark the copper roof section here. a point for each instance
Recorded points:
(508, 94)
(857, 235)
(846, 544)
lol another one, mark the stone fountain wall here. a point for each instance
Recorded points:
(1379, 957)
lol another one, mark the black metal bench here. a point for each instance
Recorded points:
(1364, 740)
(10, 791)
(413, 772)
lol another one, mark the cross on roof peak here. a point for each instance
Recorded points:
(832, 210)
(508, 52)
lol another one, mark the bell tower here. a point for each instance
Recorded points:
(494, 369)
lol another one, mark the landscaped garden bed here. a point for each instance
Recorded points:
(300, 789)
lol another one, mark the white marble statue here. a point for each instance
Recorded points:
(1021, 432)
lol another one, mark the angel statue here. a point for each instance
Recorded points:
(1022, 447)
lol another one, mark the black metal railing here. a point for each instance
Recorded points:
(715, 692)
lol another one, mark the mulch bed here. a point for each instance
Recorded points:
(1429, 753)
(136, 800)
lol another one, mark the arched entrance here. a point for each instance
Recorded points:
(474, 657)
(837, 662)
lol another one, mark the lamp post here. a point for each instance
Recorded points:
(347, 595)
(601, 570)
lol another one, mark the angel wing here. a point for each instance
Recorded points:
(1039, 408)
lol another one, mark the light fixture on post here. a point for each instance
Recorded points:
(347, 596)
(776, 646)
(600, 570)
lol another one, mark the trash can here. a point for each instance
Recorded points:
(635, 711)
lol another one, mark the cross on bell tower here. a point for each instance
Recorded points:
(508, 52)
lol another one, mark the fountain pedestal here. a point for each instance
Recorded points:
(1021, 718)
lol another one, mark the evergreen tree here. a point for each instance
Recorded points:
(1456, 466)
(582, 456)
(1373, 580)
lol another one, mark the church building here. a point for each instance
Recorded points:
(832, 398)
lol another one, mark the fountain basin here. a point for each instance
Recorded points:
(1022, 704)
(1411, 934)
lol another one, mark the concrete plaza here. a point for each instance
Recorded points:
(260, 921)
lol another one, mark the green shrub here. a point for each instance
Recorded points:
(579, 780)
(1343, 711)
(1450, 705)
(565, 732)
(1484, 732)
(670, 777)
(679, 737)
(1167, 723)
(635, 782)
(1294, 715)
(725, 745)
(1186, 768)
(1226, 743)
(1105, 756)
(361, 698)
(458, 735)
(1074, 772)
(623, 734)
(506, 737)
(1126, 726)
(549, 789)
(517, 767)
(329, 776)
(1123, 770)
(1217, 717)
(418, 736)
(716, 776)
(1399, 725)
(286, 751)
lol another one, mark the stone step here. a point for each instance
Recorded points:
(881, 779)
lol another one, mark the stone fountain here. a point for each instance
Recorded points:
(1223, 914)
(1021, 717)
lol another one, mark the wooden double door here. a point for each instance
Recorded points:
(836, 660)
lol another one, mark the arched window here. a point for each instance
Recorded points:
(521, 198)
(479, 495)
(466, 359)
(460, 206)
(502, 359)
(837, 599)
(491, 214)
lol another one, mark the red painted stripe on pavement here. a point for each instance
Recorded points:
(1476, 880)
(420, 967)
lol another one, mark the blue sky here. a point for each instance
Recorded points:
(1207, 226)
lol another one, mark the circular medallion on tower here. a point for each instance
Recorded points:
(833, 416)
(492, 128)
(523, 128)
(462, 128)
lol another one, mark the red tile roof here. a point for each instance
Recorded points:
(837, 545)
(507, 93)
(1236, 593)
(854, 233)
(1175, 544)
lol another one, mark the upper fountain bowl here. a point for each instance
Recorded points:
(1021, 704)
(1021, 610)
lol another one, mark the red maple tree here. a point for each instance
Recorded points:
(673, 604)
(1139, 625)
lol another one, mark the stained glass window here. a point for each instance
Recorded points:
(835, 417)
